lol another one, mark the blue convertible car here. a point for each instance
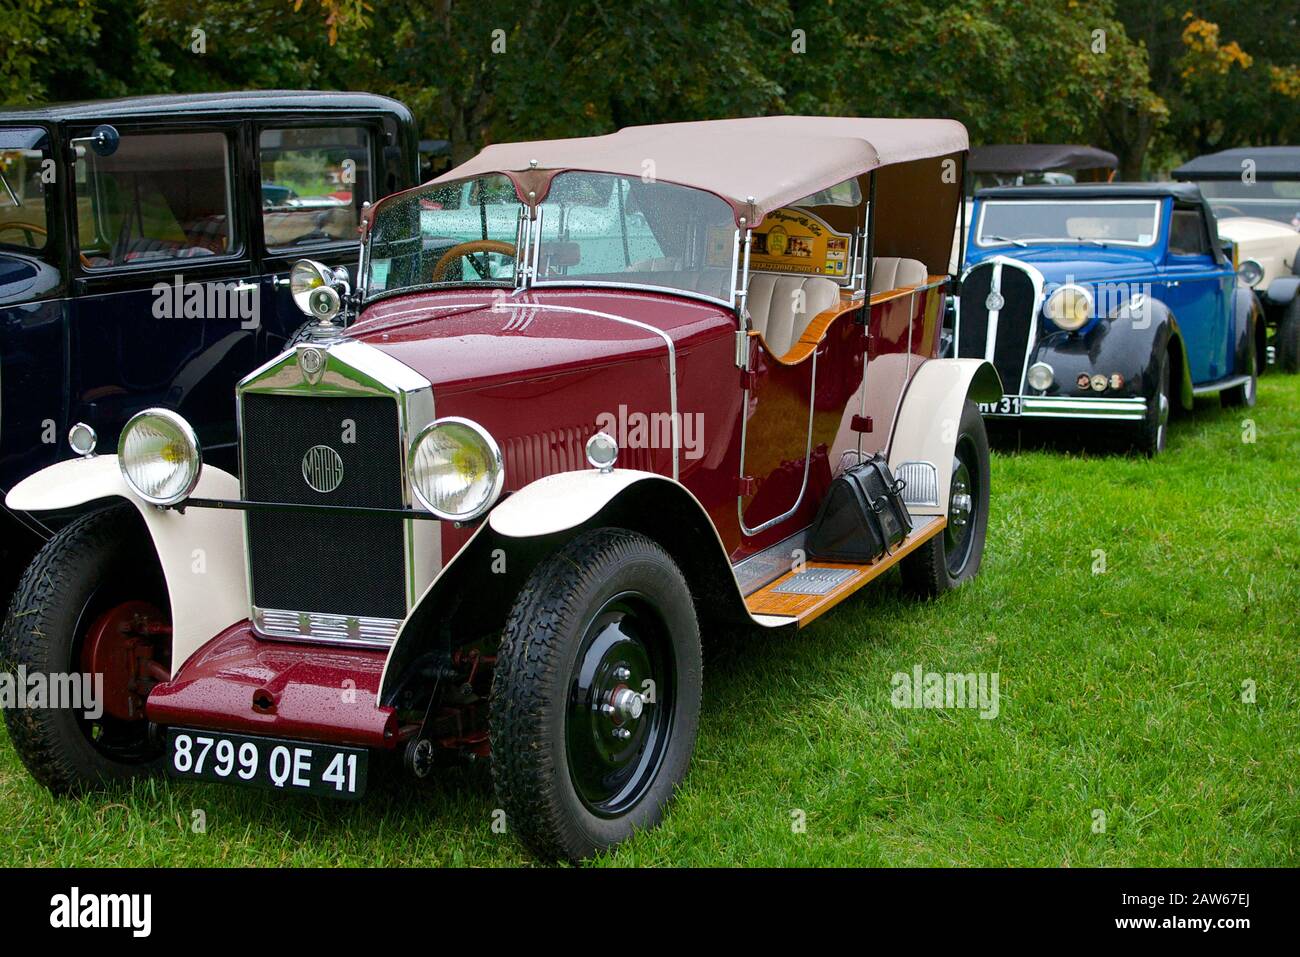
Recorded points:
(1105, 302)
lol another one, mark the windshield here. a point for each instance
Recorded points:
(23, 217)
(603, 229)
(1094, 222)
(1268, 199)
(450, 234)
(592, 229)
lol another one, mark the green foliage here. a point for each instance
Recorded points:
(1155, 80)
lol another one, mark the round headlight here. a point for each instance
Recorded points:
(1040, 376)
(159, 456)
(1250, 272)
(456, 469)
(1069, 307)
(305, 277)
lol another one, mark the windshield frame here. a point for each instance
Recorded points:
(527, 245)
(979, 238)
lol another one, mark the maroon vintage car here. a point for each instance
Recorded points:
(593, 400)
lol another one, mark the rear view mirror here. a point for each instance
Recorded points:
(104, 140)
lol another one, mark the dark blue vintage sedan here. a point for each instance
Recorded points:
(145, 247)
(1105, 302)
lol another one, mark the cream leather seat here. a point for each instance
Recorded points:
(773, 303)
(891, 272)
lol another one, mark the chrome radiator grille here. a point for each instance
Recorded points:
(1014, 324)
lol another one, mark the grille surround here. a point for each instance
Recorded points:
(296, 558)
(1008, 343)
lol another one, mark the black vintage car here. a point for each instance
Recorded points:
(145, 247)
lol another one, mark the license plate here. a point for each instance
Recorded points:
(300, 767)
(1007, 405)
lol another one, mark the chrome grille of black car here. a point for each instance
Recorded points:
(317, 562)
(1016, 320)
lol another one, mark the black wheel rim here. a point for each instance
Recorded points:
(963, 506)
(620, 705)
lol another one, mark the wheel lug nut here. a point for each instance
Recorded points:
(621, 673)
(622, 733)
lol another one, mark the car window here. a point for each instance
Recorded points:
(23, 184)
(157, 197)
(314, 183)
(1187, 233)
(643, 234)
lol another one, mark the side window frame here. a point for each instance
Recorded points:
(1207, 248)
(370, 124)
(238, 224)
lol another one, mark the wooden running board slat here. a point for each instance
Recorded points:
(806, 608)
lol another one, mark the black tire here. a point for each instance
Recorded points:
(1244, 395)
(1153, 431)
(98, 562)
(609, 600)
(953, 556)
(1288, 338)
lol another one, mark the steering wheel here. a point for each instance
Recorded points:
(464, 249)
(31, 229)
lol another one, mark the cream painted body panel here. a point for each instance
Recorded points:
(926, 427)
(1273, 245)
(201, 552)
(567, 499)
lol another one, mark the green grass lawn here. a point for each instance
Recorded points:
(1121, 694)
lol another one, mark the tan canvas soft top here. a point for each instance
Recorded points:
(756, 164)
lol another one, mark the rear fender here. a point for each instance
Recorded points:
(472, 596)
(926, 428)
(1249, 333)
(201, 551)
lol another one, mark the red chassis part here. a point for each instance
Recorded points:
(242, 684)
(123, 645)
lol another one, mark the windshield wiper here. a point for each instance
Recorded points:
(1008, 239)
(18, 203)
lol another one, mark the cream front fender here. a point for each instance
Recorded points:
(201, 551)
(562, 501)
(475, 590)
(926, 430)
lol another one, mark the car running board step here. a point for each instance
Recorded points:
(819, 586)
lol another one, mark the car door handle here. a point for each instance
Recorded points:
(245, 286)
(281, 283)
(1174, 282)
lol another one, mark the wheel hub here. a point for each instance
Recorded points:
(614, 732)
(125, 645)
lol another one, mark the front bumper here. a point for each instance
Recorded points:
(1118, 408)
(241, 684)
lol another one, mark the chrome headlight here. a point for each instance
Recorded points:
(1069, 307)
(1250, 272)
(159, 456)
(316, 288)
(456, 469)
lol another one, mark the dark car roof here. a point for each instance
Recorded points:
(1271, 162)
(1038, 158)
(237, 102)
(1188, 192)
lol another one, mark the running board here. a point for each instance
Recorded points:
(1218, 385)
(802, 597)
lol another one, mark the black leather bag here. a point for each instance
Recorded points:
(862, 517)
